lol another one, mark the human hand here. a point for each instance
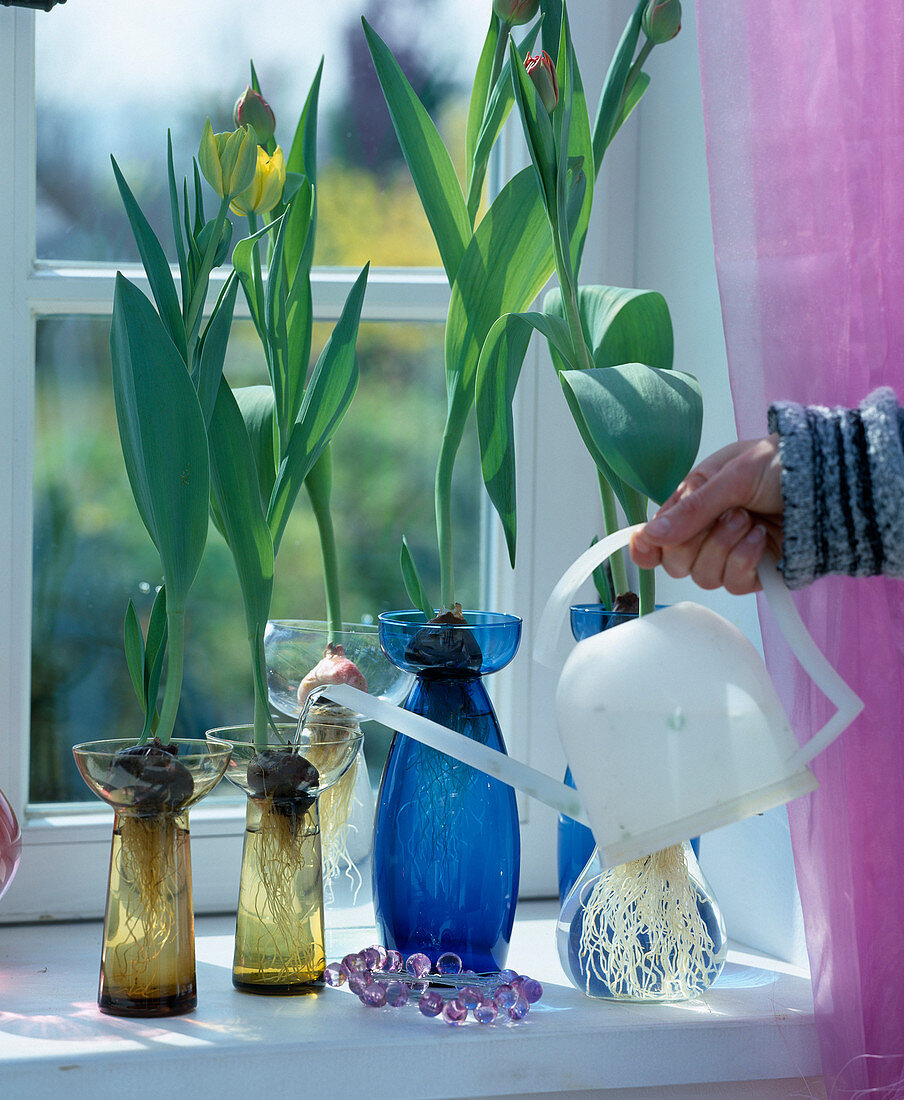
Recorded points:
(718, 523)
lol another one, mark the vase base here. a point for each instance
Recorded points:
(176, 1005)
(274, 989)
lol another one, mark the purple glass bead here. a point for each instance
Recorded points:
(374, 996)
(531, 990)
(485, 1012)
(397, 994)
(449, 963)
(353, 963)
(505, 996)
(470, 996)
(431, 1004)
(357, 983)
(418, 987)
(508, 976)
(418, 964)
(373, 957)
(518, 1010)
(334, 974)
(393, 961)
(454, 1012)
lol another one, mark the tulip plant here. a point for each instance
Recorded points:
(167, 369)
(267, 441)
(612, 347)
(497, 265)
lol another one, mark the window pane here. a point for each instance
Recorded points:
(91, 552)
(112, 78)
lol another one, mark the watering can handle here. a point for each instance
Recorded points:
(550, 648)
(812, 660)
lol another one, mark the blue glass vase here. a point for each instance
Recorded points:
(447, 846)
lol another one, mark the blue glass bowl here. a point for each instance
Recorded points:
(588, 619)
(486, 644)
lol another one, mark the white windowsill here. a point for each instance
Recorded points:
(752, 1035)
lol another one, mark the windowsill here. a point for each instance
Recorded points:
(755, 1025)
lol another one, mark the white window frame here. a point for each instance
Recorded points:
(643, 233)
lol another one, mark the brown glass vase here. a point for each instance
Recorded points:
(279, 936)
(148, 954)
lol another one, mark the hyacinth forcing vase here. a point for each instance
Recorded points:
(279, 937)
(293, 647)
(648, 930)
(148, 955)
(447, 844)
(10, 844)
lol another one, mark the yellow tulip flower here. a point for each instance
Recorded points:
(266, 188)
(228, 160)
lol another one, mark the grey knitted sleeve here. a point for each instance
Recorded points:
(843, 488)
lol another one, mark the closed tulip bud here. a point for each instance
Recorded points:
(251, 109)
(543, 74)
(661, 20)
(228, 161)
(266, 189)
(516, 12)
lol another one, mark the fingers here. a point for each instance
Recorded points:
(727, 555)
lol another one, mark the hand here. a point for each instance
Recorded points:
(717, 524)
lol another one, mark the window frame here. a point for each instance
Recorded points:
(634, 239)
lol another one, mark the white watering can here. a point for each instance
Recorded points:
(670, 724)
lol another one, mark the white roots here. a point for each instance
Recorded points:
(642, 933)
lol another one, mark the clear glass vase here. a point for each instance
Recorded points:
(148, 954)
(279, 937)
(447, 844)
(293, 647)
(10, 844)
(649, 930)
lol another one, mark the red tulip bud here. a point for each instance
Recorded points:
(516, 12)
(661, 20)
(251, 109)
(543, 73)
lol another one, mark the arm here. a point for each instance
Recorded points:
(826, 488)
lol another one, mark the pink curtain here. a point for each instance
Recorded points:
(804, 112)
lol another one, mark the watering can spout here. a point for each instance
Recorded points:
(670, 724)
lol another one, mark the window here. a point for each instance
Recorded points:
(61, 246)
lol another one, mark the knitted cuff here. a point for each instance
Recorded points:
(843, 489)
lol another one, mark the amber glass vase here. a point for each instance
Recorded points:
(279, 934)
(148, 955)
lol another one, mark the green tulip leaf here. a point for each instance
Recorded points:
(213, 348)
(257, 409)
(133, 643)
(156, 265)
(634, 96)
(641, 422)
(163, 435)
(235, 490)
(497, 379)
(428, 160)
(609, 110)
(302, 159)
(480, 89)
(506, 263)
(413, 586)
(327, 398)
(499, 104)
(175, 215)
(243, 262)
(620, 325)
